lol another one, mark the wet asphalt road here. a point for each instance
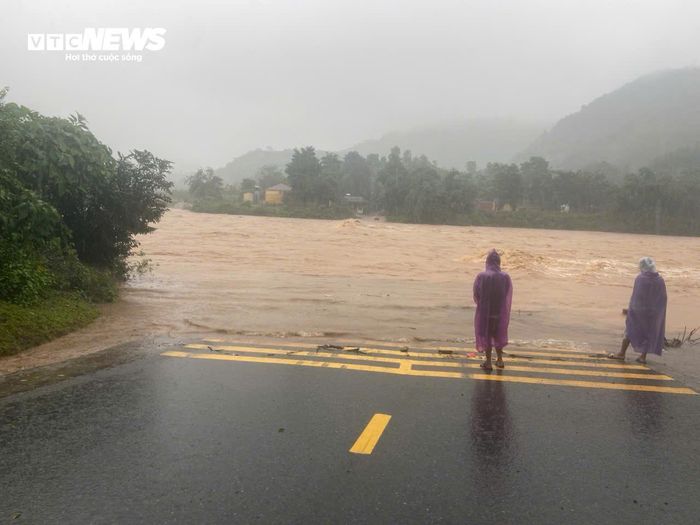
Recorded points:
(165, 440)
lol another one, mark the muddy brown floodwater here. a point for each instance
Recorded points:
(243, 275)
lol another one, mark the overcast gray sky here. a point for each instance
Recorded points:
(236, 75)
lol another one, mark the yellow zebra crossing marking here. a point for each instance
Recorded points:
(430, 362)
(511, 350)
(408, 370)
(414, 362)
(599, 363)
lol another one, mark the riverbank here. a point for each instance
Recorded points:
(25, 326)
(522, 218)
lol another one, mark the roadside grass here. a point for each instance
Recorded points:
(24, 326)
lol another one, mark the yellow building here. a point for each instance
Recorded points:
(248, 196)
(275, 194)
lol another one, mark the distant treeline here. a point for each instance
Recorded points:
(414, 189)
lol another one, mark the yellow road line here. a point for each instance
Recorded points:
(570, 372)
(370, 435)
(426, 373)
(445, 363)
(603, 363)
(584, 384)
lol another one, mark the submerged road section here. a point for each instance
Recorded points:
(338, 431)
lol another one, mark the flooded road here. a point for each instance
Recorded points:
(244, 275)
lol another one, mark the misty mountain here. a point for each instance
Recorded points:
(450, 145)
(247, 165)
(453, 144)
(649, 121)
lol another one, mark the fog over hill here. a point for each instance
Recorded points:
(450, 145)
(649, 121)
(247, 165)
(453, 144)
(652, 121)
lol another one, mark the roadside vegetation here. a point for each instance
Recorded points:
(413, 189)
(69, 210)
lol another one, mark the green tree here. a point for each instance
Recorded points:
(583, 192)
(645, 199)
(537, 182)
(328, 186)
(139, 196)
(303, 173)
(269, 175)
(332, 166)
(205, 185)
(102, 201)
(507, 184)
(357, 175)
(248, 185)
(63, 196)
(392, 178)
(30, 231)
(460, 192)
(425, 199)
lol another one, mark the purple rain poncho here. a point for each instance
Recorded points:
(493, 294)
(646, 315)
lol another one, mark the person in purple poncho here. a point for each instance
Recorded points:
(646, 315)
(493, 294)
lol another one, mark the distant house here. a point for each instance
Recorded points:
(357, 203)
(486, 205)
(276, 193)
(254, 196)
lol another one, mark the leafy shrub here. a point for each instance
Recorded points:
(97, 285)
(69, 210)
(23, 277)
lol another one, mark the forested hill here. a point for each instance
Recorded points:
(247, 165)
(451, 145)
(631, 127)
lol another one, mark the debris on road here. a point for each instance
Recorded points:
(685, 337)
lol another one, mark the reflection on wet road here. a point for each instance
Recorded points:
(492, 438)
(166, 439)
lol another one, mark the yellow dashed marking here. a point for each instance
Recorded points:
(370, 435)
